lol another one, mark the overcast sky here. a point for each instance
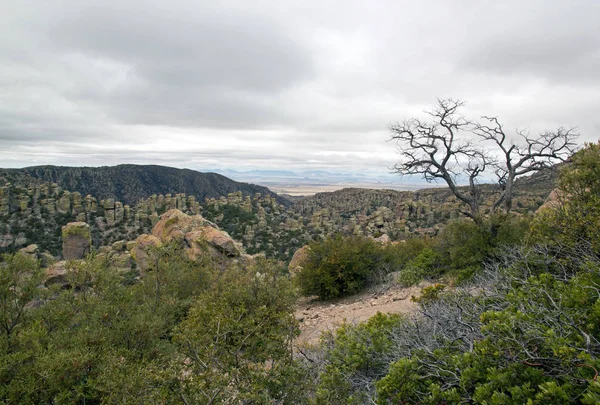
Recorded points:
(280, 84)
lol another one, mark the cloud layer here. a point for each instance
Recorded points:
(287, 84)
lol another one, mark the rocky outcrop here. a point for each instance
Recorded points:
(197, 236)
(553, 201)
(298, 260)
(142, 249)
(57, 274)
(174, 224)
(31, 251)
(48, 207)
(33, 212)
(77, 240)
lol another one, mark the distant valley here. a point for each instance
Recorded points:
(311, 182)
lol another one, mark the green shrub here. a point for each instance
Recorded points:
(576, 213)
(426, 264)
(357, 357)
(464, 244)
(341, 266)
(399, 254)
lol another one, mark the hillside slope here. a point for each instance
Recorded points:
(131, 183)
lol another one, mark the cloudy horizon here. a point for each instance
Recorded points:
(287, 85)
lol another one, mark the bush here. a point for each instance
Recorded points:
(399, 254)
(576, 212)
(464, 245)
(341, 266)
(357, 356)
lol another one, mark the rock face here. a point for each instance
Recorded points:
(57, 274)
(554, 200)
(298, 260)
(32, 251)
(77, 240)
(198, 237)
(140, 252)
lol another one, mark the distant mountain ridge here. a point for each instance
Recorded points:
(130, 183)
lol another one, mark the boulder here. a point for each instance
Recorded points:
(108, 204)
(383, 239)
(215, 241)
(57, 274)
(141, 251)
(119, 246)
(553, 201)
(299, 259)
(46, 259)
(119, 212)
(197, 235)
(63, 205)
(121, 260)
(174, 224)
(31, 251)
(77, 240)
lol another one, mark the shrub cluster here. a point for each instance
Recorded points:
(342, 265)
(185, 333)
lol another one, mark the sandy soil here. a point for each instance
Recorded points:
(318, 316)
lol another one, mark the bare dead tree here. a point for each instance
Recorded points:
(534, 153)
(444, 148)
(436, 151)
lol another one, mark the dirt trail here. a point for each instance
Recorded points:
(318, 316)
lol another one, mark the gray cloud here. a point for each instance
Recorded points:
(559, 42)
(280, 84)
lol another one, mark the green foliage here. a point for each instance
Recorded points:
(462, 248)
(238, 335)
(20, 277)
(576, 212)
(542, 348)
(341, 266)
(403, 252)
(425, 265)
(356, 357)
(429, 294)
(110, 340)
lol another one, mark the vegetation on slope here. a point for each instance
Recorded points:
(185, 333)
(132, 183)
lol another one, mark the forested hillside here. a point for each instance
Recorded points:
(132, 183)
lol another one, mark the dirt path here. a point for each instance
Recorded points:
(318, 316)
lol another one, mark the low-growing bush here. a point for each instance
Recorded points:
(400, 253)
(341, 266)
(356, 357)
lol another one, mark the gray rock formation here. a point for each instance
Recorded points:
(77, 240)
